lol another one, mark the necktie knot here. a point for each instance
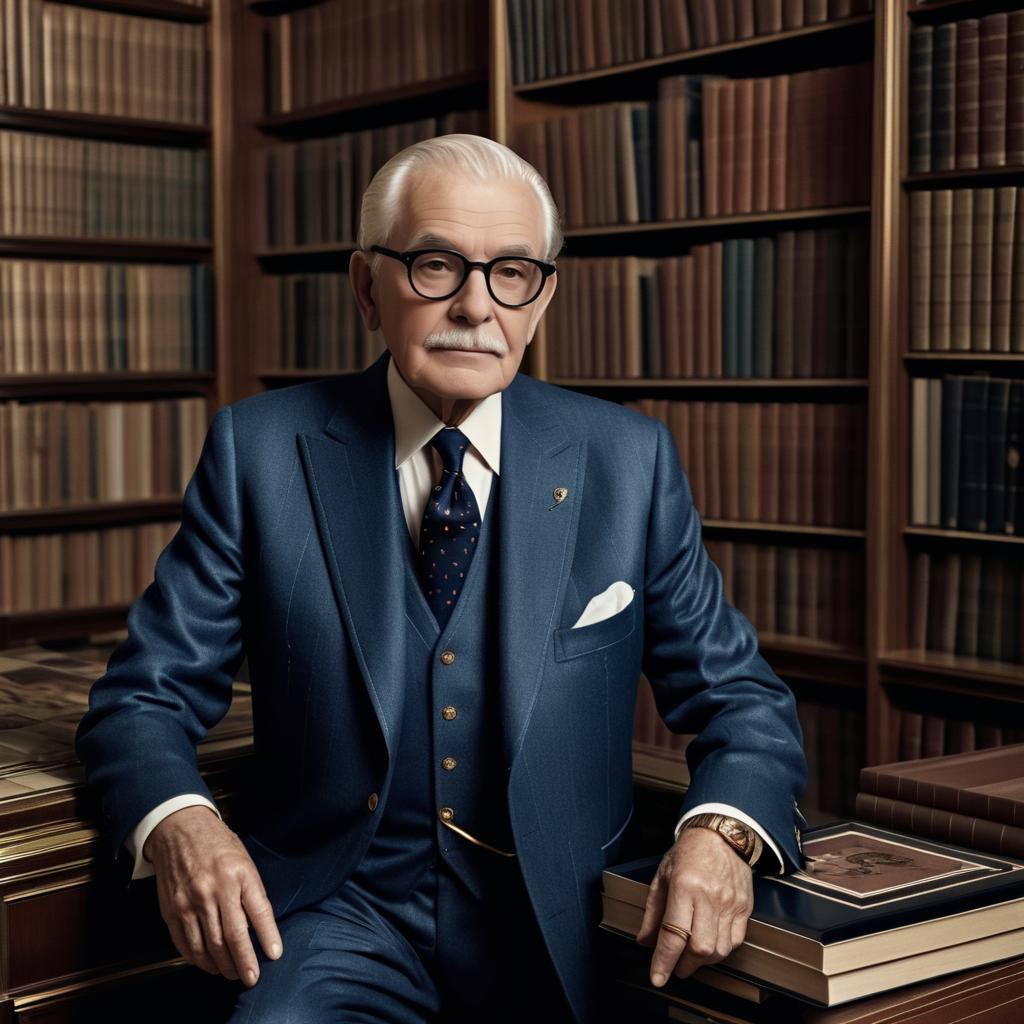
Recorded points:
(451, 443)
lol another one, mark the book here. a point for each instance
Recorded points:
(872, 910)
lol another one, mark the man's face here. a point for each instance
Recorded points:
(456, 351)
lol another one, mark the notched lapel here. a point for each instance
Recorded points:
(353, 489)
(535, 544)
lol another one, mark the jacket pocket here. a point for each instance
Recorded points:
(574, 643)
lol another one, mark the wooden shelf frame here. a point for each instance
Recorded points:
(107, 384)
(107, 513)
(104, 126)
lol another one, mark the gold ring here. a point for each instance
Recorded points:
(676, 930)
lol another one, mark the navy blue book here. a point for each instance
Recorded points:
(872, 910)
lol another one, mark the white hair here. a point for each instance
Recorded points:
(468, 154)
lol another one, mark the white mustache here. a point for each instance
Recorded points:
(452, 338)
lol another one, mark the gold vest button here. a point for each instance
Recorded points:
(449, 764)
(372, 802)
(448, 713)
(447, 657)
(446, 814)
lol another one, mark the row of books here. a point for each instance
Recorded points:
(59, 57)
(806, 592)
(934, 734)
(967, 437)
(967, 270)
(564, 37)
(835, 750)
(967, 93)
(968, 604)
(52, 185)
(711, 147)
(55, 454)
(76, 317)
(770, 462)
(314, 188)
(336, 49)
(790, 305)
(975, 799)
(313, 322)
(79, 568)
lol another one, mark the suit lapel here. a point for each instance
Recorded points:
(536, 541)
(365, 541)
(350, 472)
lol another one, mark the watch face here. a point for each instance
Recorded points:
(736, 834)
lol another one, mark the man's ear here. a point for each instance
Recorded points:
(537, 310)
(361, 279)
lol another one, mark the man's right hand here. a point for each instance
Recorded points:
(209, 891)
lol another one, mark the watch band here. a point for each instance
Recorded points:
(740, 836)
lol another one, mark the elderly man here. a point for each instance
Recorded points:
(447, 578)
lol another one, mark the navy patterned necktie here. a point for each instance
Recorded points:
(451, 528)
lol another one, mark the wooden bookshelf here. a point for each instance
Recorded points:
(25, 523)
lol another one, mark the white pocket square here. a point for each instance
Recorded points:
(606, 604)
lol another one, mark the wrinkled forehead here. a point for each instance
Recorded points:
(451, 210)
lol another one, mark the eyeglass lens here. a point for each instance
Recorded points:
(437, 274)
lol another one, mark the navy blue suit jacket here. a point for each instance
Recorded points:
(289, 552)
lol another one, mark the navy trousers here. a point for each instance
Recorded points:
(441, 955)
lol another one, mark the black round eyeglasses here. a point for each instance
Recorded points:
(512, 281)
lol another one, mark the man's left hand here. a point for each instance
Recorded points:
(704, 887)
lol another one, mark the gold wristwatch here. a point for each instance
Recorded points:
(742, 838)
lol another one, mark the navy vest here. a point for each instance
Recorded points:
(445, 760)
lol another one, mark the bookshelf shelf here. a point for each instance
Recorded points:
(709, 383)
(658, 768)
(947, 10)
(168, 9)
(100, 126)
(127, 250)
(966, 359)
(106, 384)
(110, 513)
(962, 536)
(953, 673)
(351, 112)
(283, 377)
(279, 6)
(965, 176)
(840, 29)
(80, 622)
(813, 660)
(782, 530)
(705, 224)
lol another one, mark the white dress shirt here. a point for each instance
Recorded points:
(419, 466)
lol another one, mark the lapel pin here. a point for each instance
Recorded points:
(560, 494)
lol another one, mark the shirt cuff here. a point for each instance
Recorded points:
(732, 812)
(136, 839)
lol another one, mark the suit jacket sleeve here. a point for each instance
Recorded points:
(701, 657)
(169, 682)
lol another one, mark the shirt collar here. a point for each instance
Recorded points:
(415, 423)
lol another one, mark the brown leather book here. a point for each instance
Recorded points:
(675, 26)
(960, 270)
(668, 297)
(966, 92)
(1002, 266)
(941, 268)
(750, 461)
(920, 269)
(743, 148)
(770, 469)
(931, 822)
(798, 142)
(701, 452)
(602, 33)
(684, 361)
(762, 146)
(992, 50)
(745, 19)
(778, 135)
(668, 172)
(1015, 89)
(711, 132)
(768, 16)
(789, 463)
(713, 468)
(987, 784)
(729, 424)
(715, 306)
(983, 236)
(700, 315)
(727, 125)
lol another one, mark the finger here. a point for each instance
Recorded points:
(670, 946)
(657, 895)
(209, 918)
(236, 935)
(261, 913)
(197, 953)
(703, 938)
(739, 929)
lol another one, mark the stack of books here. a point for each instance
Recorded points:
(873, 910)
(975, 798)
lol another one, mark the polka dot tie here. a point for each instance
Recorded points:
(451, 528)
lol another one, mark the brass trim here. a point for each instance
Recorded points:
(473, 839)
